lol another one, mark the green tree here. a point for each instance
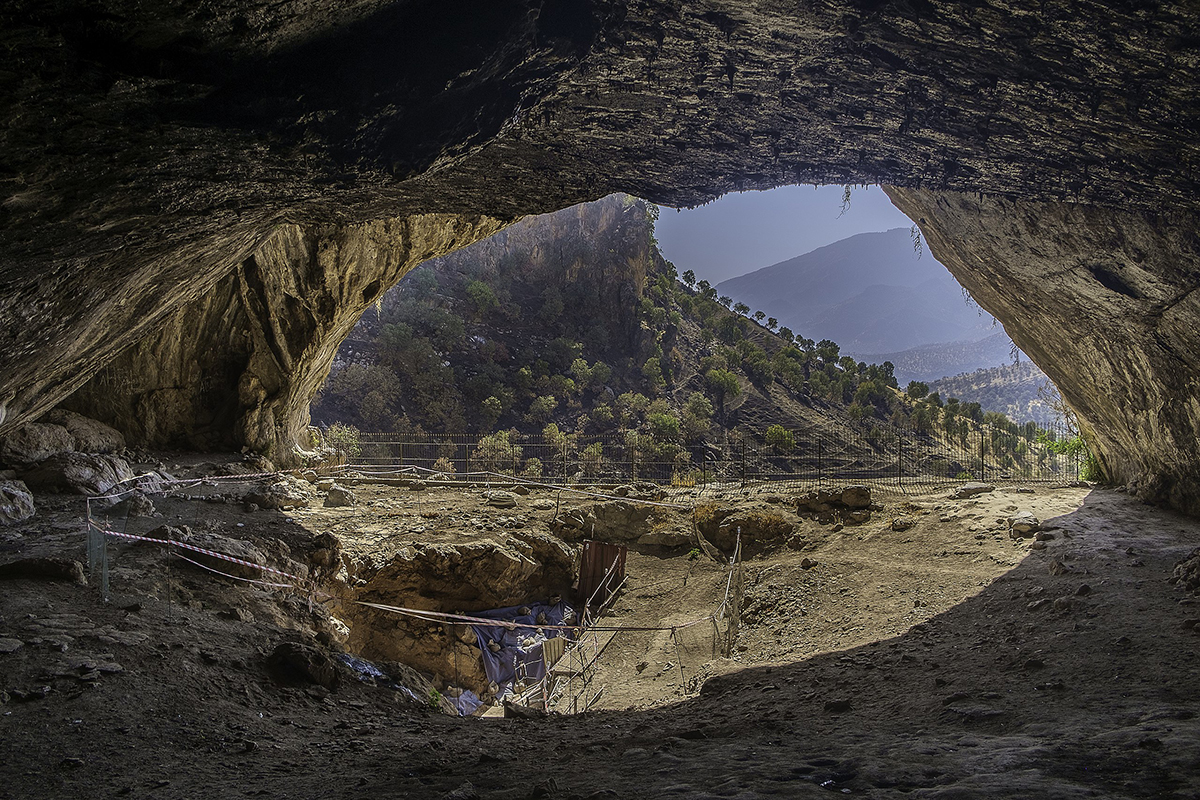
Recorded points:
(541, 408)
(482, 297)
(490, 411)
(689, 278)
(741, 308)
(723, 385)
(916, 390)
(780, 438)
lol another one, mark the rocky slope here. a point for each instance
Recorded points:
(152, 149)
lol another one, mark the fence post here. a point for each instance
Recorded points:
(743, 462)
(982, 460)
(899, 457)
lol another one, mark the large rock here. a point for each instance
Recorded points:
(287, 492)
(339, 496)
(81, 473)
(295, 663)
(88, 435)
(757, 528)
(972, 489)
(1107, 308)
(16, 503)
(34, 442)
(44, 569)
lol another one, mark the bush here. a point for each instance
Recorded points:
(533, 468)
(344, 439)
(445, 465)
(780, 438)
(664, 427)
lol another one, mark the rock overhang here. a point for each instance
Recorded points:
(153, 152)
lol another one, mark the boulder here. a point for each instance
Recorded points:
(859, 517)
(903, 523)
(1023, 525)
(971, 490)
(295, 663)
(34, 442)
(324, 484)
(237, 548)
(499, 499)
(854, 497)
(87, 434)
(757, 528)
(16, 502)
(287, 492)
(82, 473)
(44, 569)
(340, 496)
(135, 505)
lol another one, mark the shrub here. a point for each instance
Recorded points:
(445, 465)
(780, 438)
(533, 468)
(345, 439)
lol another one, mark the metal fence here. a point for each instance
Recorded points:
(873, 453)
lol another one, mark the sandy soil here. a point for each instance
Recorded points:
(943, 661)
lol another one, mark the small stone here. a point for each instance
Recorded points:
(957, 697)
(1044, 536)
(10, 645)
(1033, 663)
(1083, 590)
(464, 792)
(72, 763)
(1058, 568)
(903, 523)
(837, 706)
(807, 563)
(520, 489)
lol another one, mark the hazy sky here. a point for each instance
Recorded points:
(742, 232)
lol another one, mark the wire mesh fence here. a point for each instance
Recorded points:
(880, 454)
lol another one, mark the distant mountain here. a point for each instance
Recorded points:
(932, 361)
(870, 293)
(1011, 389)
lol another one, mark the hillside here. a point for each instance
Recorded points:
(568, 344)
(1011, 389)
(870, 293)
(574, 319)
(933, 361)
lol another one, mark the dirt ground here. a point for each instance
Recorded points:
(946, 660)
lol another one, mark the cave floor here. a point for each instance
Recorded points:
(942, 661)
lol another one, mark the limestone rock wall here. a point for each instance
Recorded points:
(151, 150)
(1107, 302)
(238, 366)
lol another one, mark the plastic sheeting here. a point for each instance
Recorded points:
(467, 702)
(518, 658)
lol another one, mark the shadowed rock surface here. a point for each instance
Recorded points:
(175, 177)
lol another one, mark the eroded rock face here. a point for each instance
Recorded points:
(1106, 302)
(239, 365)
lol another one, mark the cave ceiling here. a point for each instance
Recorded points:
(150, 150)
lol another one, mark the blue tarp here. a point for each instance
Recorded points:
(513, 659)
